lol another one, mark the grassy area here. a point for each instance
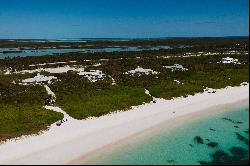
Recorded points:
(26, 119)
(21, 111)
(98, 103)
(195, 82)
(81, 99)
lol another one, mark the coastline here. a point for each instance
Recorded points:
(75, 139)
(168, 128)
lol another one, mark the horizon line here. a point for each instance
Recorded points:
(80, 38)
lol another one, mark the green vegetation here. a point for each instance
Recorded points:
(194, 82)
(21, 111)
(81, 98)
(24, 120)
(82, 104)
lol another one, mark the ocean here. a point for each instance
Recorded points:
(220, 138)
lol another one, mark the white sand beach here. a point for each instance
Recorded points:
(76, 138)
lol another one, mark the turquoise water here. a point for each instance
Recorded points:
(221, 138)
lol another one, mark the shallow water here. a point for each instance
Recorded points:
(51, 51)
(221, 138)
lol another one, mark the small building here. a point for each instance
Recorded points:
(97, 64)
(92, 75)
(39, 79)
(140, 71)
(229, 60)
(176, 67)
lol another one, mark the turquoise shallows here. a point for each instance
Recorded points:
(227, 130)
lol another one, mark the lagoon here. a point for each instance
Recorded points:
(16, 52)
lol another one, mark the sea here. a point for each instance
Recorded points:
(220, 138)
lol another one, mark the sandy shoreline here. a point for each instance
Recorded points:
(167, 126)
(74, 139)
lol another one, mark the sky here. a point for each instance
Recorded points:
(123, 18)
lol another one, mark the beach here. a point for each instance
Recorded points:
(75, 139)
(174, 142)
